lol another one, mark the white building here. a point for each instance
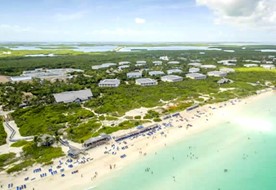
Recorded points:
(252, 61)
(21, 78)
(103, 66)
(251, 65)
(141, 62)
(208, 66)
(172, 71)
(164, 58)
(171, 78)
(195, 64)
(173, 62)
(227, 70)
(194, 70)
(269, 66)
(124, 63)
(156, 63)
(73, 96)
(134, 75)
(217, 74)
(123, 67)
(146, 82)
(228, 62)
(156, 73)
(50, 73)
(197, 76)
(109, 83)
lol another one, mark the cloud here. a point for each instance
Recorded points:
(14, 28)
(140, 21)
(247, 13)
(62, 17)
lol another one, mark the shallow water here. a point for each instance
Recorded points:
(236, 154)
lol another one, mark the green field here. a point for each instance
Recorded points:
(3, 134)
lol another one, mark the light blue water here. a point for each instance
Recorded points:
(127, 49)
(237, 154)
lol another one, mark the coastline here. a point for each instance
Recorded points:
(137, 148)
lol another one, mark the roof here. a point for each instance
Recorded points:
(195, 75)
(227, 70)
(104, 65)
(194, 70)
(134, 73)
(110, 81)
(95, 139)
(124, 62)
(20, 78)
(216, 73)
(173, 62)
(174, 71)
(157, 62)
(171, 77)
(123, 67)
(208, 66)
(156, 73)
(145, 80)
(195, 64)
(141, 62)
(71, 96)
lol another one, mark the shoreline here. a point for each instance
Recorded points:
(103, 166)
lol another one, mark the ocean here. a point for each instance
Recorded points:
(236, 154)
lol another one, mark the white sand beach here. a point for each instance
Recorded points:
(105, 160)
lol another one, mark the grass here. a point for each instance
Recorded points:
(20, 166)
(49, 118)
(6, 159)
(83, 131)
(20, 143)
(41, 154)
(31, 154)
(3, 134)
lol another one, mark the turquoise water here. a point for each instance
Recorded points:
(237, 154)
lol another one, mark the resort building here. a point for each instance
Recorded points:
(141, 62)
(156, 63)
(196, 76)
(146, 82)
(137, 132)
(172, 71)
(227, 70)
(269, 66)
(217, 74)
(156, 73)
(252, 61)
(20, 79)
(195, 64)
(134, 75)
(50, 73)
(73, 96)
(208, 66)
(268, 62)
(251, 65)
(109, 83)
(194, 70)
(171, 78)
(124, 63)
(233, 61)
(96, 141)
(123, 67)
(103, 66)
(164, 58)
(173, 62)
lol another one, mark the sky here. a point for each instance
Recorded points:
(138, 20)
